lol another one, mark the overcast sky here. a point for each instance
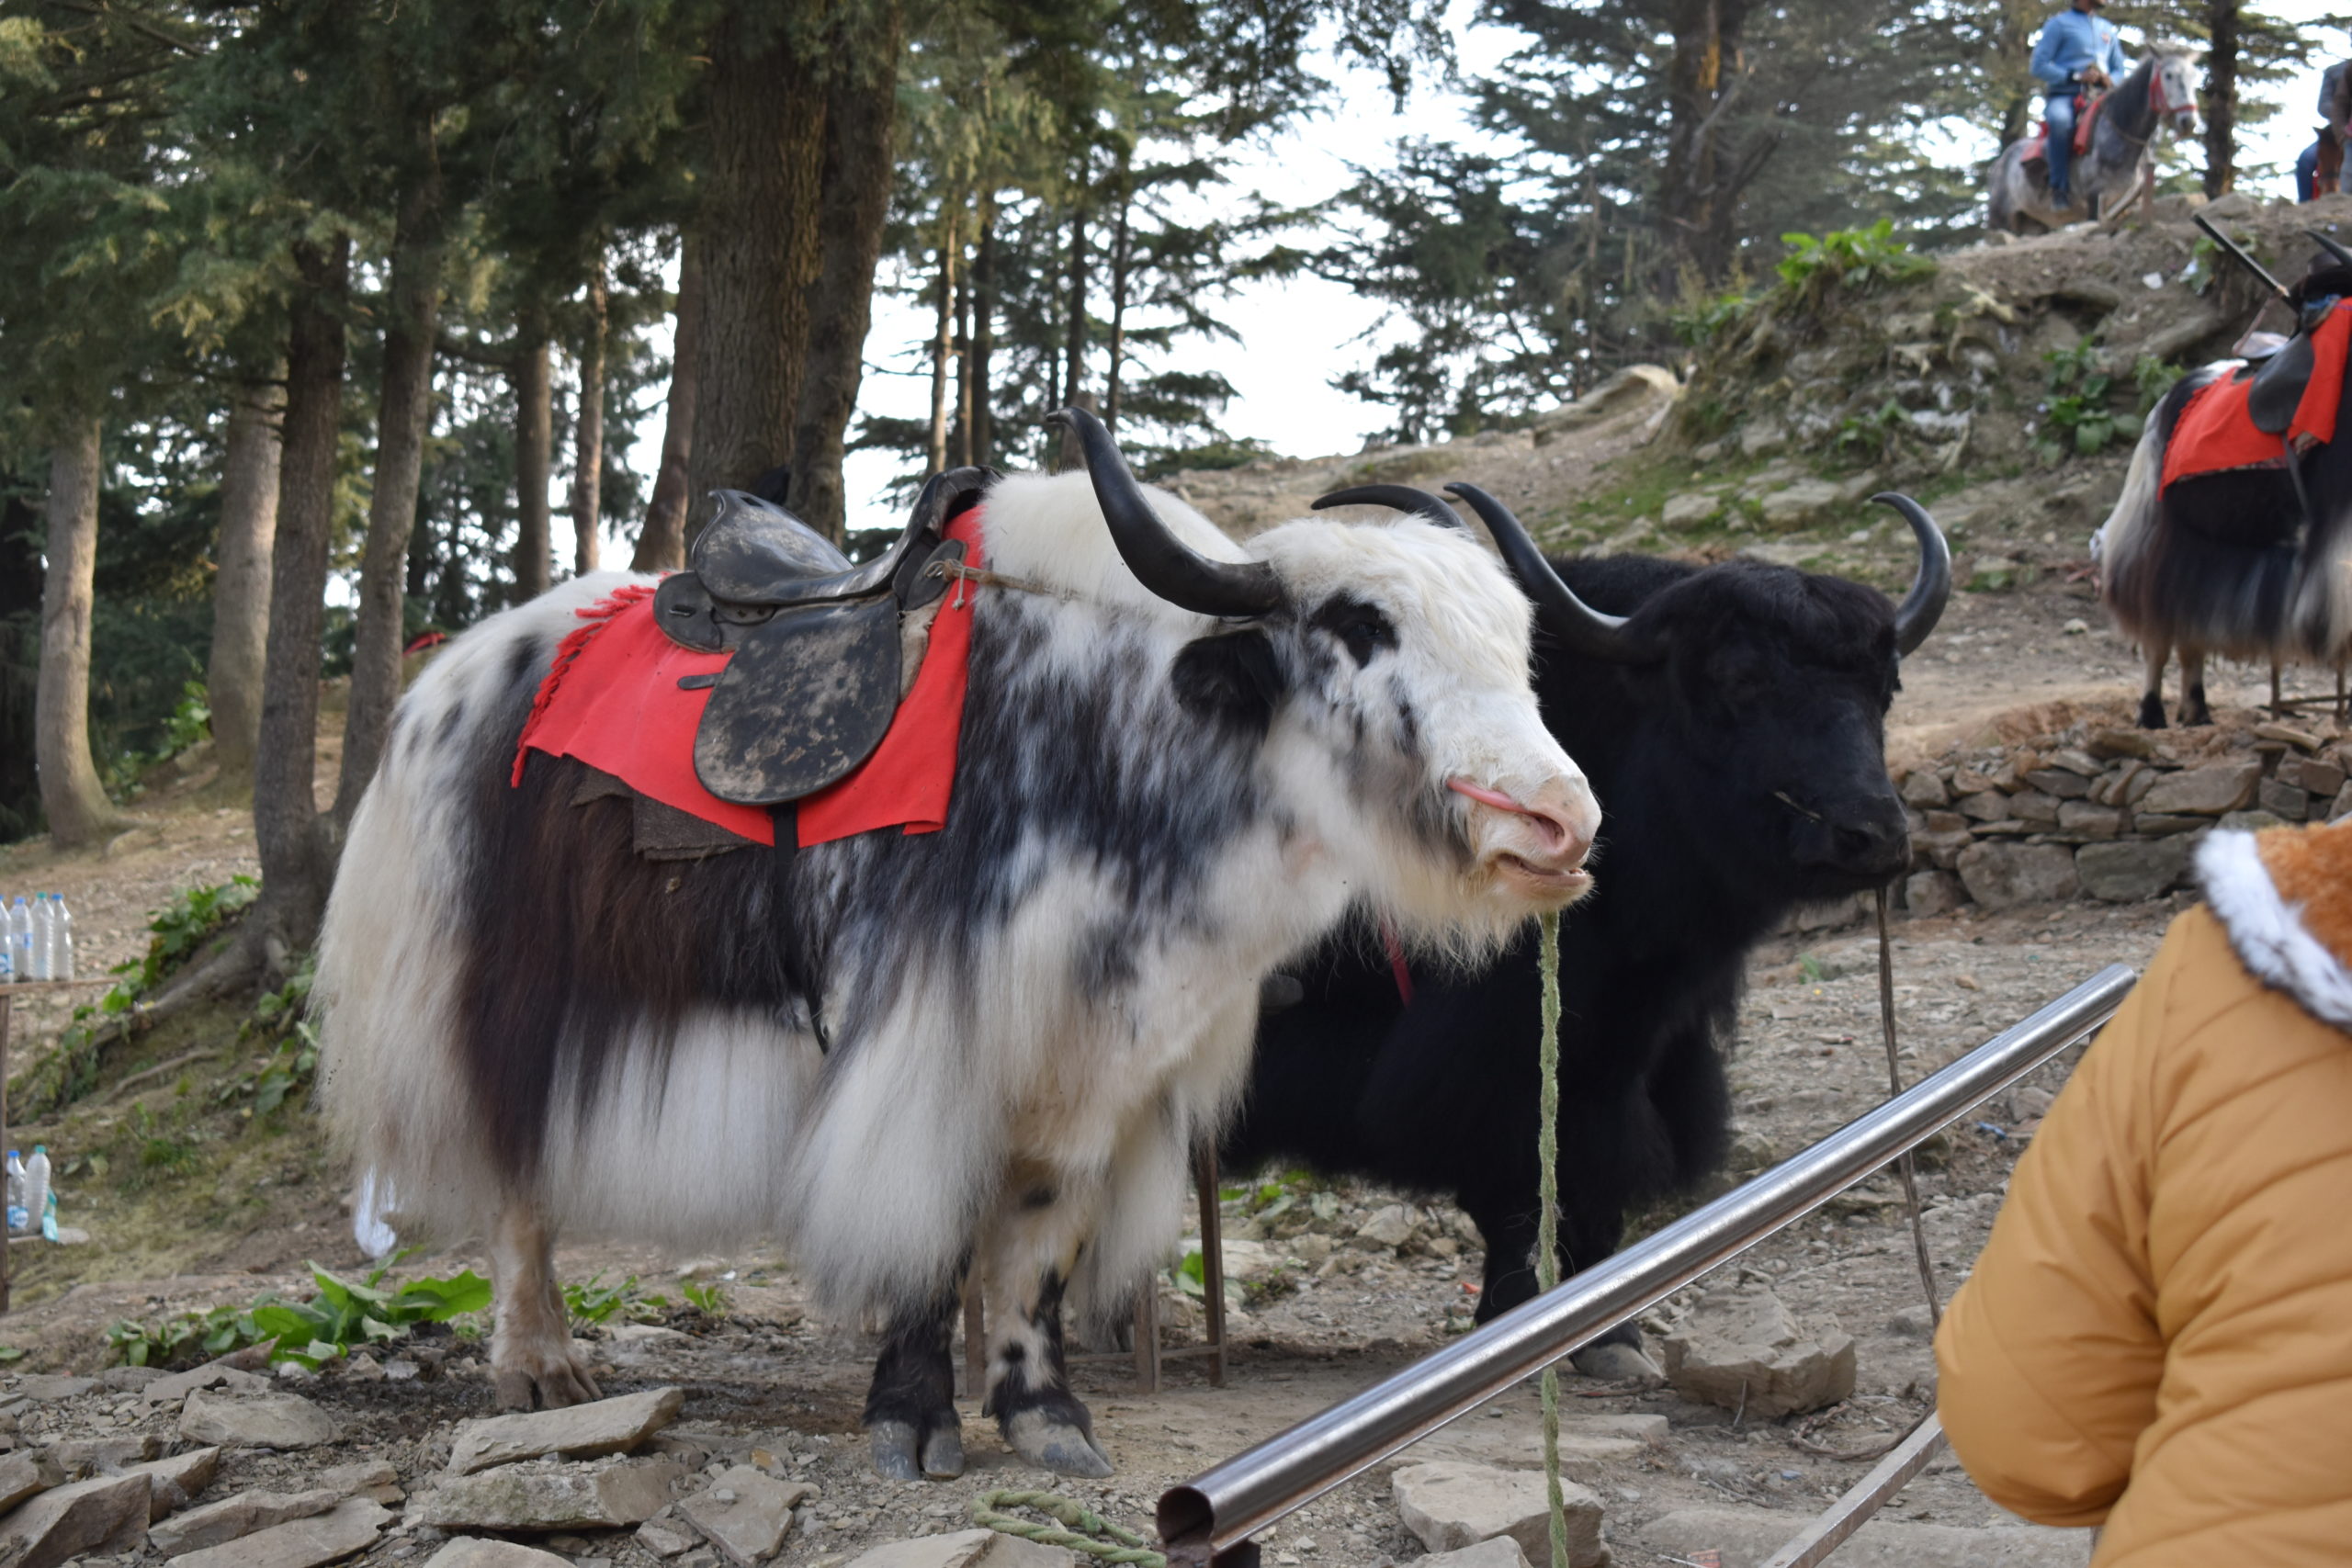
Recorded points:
(1297, 335)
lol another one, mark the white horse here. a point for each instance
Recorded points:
(2160, 91)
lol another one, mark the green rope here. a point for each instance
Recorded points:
(1077, 1527)
(1547, 1221)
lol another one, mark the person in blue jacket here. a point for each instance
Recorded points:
(2077, 50)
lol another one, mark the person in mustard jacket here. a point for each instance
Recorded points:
(2158, 1337)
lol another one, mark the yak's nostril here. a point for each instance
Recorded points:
(1564, 832)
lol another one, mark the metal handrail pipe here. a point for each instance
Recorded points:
(1206, 1518)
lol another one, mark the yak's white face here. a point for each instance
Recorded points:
(1391, 692)
(1409, 653)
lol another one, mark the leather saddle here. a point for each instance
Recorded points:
(814, 682)
(2280, 377)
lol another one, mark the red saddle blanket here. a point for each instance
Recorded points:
(2215, 432)
(612, 700)
(2086, 115)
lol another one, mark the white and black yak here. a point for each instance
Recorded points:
(1731, 719)
(1181, 760)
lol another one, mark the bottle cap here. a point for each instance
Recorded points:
(40, 1148)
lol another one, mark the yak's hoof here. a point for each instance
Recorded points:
(1062, 1446)
(555, 1382)
(1613, 1361)
(895, 1447)
(2151, 712)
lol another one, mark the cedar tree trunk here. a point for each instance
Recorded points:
(975, 392)
(2223, 24)
(20, 588)
(403, 420)
(1699, 190)
(943, 337)
(853, 206)
(1120, 245)
(296, 854)
(241, 584)
(662, 543)
(79, 812)
(1074, 345)
(758, 223)
(534, 455)
(588, 446)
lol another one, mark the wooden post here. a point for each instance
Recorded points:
(1147, 1334)
(1212, 1259)
(976, 1338)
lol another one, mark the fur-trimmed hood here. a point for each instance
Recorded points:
(2285, 896)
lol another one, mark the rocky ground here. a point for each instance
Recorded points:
(1334, 1285)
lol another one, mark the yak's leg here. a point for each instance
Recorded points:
(2193, 687)
(2277, 706)
(910, 1418)
(530, 1347)
(2152, 690)
(1031, 1255)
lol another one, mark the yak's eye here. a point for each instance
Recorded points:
(1361, 626)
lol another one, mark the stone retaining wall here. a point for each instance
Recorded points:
(2111, 814)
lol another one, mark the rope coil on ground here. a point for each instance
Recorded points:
(1078, 1527)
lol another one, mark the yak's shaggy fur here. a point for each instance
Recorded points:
(869, 1048)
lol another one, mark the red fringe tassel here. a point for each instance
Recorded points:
(598, 616)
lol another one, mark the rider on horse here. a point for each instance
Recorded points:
(2319, 169)
(2076, 50)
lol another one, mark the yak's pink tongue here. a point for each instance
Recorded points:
(1486, 796)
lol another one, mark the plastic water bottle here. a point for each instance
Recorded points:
(20, 939)
(60, 939)
(41, 1204)
(7, 944)
(43, 928)
(18, 1220)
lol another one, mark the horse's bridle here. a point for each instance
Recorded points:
(2159, 105)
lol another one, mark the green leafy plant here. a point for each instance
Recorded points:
(2155, 377)
(1711, 319)
(710, 1300)
(1870, 437)
(268, 1080)
(177, 933)
(1191, 1274)
(2079, 417)
(1851, 258)
(595, 1302)
(181, 928)
(341, 1317)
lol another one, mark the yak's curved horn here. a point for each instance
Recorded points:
(1399, 498)
(1578, 624)
(1161, 561)
(2343, 257)
(1931, 588)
